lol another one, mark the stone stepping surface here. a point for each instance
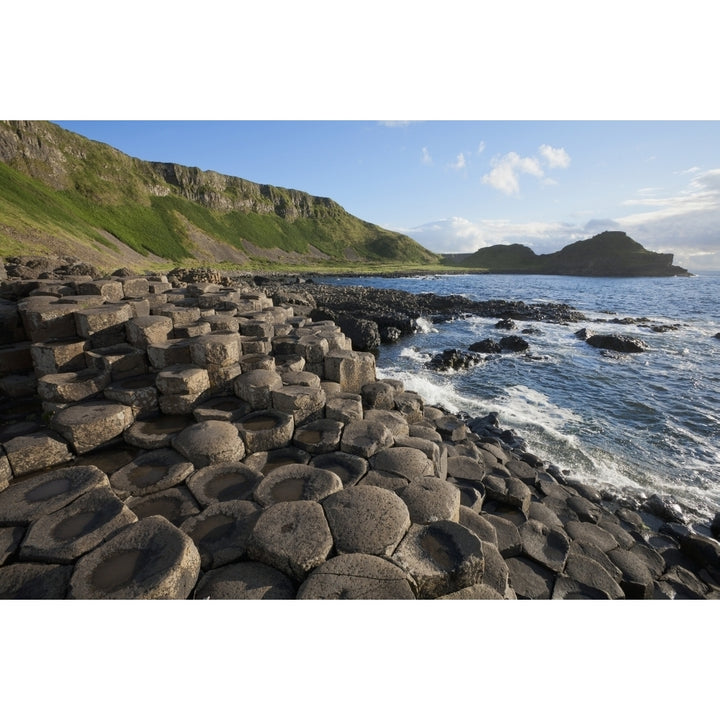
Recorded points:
(203, 442)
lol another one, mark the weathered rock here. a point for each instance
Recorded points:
(304, 403)
(451, 359)
(39, 450)
(138, 392)
(34, 581)
(487, 346)
(547, 546)
(182, 380)
(320, 436)
(90, 424)
(588, 532)
(150, 472)
(149, 559)
(349, 468)
(514, 343)
(222, 482)
(221, 531)
(266, 430)
(356, 576)
(365, 438)
(245, 581)
(618, 343)
(530, 580)
(508, 538)
(366, 519)
(255, 387)
(408, 462)
(209, 442)
(292, 537)
(72, 386)
(155, 432)
(175, 504)
(430, 499)
(441, 557)
(10, 538)
(344, 407)
(66, 534)
(296, 482)
(46, 493)
(637, 581)
(587, 571)
(264, 462)
(349, 368)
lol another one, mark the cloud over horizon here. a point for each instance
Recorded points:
(507, 169)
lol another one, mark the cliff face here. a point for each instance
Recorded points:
(57, 186)
(609, 254)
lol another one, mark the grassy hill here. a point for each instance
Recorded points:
(61, 193)
(609, 254)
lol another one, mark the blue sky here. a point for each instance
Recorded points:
(455, 186)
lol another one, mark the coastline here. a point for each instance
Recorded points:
(504, 522)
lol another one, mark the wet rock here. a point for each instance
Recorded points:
(222, 482)
(530, 580)
(264, 462)
(637, 580)
(349, 468)
(175, 504)
(453, 359)
(221, 531)
(245, 581)
(514, 343)
(356, 576)
(441, 557)
(77, 528)
(266, 430)
(150, 472)
(588, 532)
(48, 492)
(487, 346)
(296, 482)
(149, 559)
(617, 343)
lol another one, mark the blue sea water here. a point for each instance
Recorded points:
(641, 424)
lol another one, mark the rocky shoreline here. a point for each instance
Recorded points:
(201, 435)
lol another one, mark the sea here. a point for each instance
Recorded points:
(632, 424)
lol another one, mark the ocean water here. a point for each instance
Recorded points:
(637, 424)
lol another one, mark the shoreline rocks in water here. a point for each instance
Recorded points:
(198, 439)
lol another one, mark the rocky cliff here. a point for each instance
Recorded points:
(63, 193)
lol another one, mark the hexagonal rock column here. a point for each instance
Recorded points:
(223, 482)
(430, 499)
(103, 326)
(109, 290)
(264, 462)
(44, 494)
(45, 319)
(292, 537)
(356, 576)
(148, 330)
(547, 546)
(90, 424)
(51, 358)
(118, 361)
(378, 396)
(407, 462)
(34, 581)
(150, 559)
(172, 352)
(227, 408)
(256, 387)
(216, 349)
(410, 405)
(138, 392)
(175, 504)
(209, 442)
(366, 519)
(40, 450)
(349, 368)
(365, 438)
(150, 472)
(441, 557)
(296, 482)
(155, 432)
(344, 407)
(304, 403)
(72, 386)
(266, 430)
(221, 531)
(78, 528)
(529, 579)
(391, 419)
(319, 437)
(182, 387)
(349, 468)
(245, 581)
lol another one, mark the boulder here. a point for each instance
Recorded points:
(617, 343)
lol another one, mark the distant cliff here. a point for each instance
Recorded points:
(609, 254)
(63, 194)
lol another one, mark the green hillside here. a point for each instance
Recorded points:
(61, 193)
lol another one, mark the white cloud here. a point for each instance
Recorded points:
(459, 163)
(394, 123)
(555, 157)
(426, 159)
(506, 170)
(481, 147)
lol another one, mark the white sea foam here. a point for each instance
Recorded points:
(425, 326)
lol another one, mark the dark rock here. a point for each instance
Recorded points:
(505, 324)
(618, 343)
(529, 580)
(486, 346)
(514, 343)
(364, 334)
(390, 334)
(453, 360)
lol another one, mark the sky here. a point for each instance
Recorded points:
(456, 186)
